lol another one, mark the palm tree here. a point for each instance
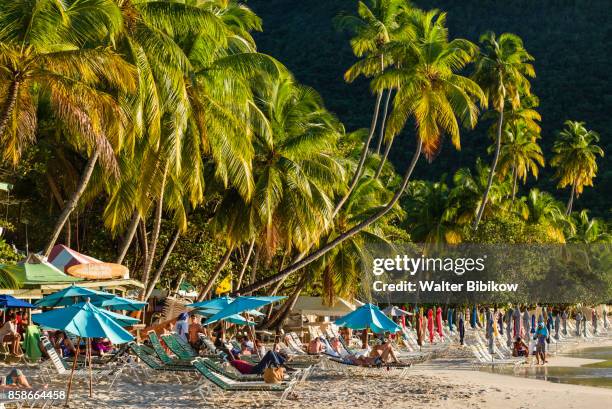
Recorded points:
(296, 174)
(433, 214)
(543, 211)
(589, 230)
(376, 24)
(575, 157)
(42, 62)
(469, 187)
(502, 70)
(430, 91)
(520, 154)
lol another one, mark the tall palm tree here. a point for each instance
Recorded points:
(502, 70)
(575, 157)
(43, 62)
(520, 154)
(296, 174)
(430, 91)
(377, 23)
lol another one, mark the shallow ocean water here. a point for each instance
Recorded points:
(599, 375)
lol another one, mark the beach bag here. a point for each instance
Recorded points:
(274, 374)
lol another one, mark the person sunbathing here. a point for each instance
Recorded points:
(520, 348)
(271, 358)
(385, 352)
(316, 346)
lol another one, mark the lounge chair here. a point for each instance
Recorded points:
(163, 355)
(228, 385)
(172, 342)
(63, 368)
(218, 368)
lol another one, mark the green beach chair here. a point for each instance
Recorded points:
(163, 355)
(256, 390)
(172, 342)
(218, 368)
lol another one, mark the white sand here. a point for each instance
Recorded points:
(434, 387)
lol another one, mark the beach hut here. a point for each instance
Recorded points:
(34, 270)
(80, 265)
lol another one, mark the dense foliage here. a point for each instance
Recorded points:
(156, 134)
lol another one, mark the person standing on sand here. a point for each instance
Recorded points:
(182, 326)
(540, 336)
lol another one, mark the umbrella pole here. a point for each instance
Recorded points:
(74, 364)
(90, 369)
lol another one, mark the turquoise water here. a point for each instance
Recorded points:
(599, 375)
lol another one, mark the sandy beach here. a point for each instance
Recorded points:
(429, 386)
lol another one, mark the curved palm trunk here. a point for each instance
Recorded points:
(215, 275)
(342, 237)
(383, 119)
(154, 233)
(277, 320)
(570, 202)
(245, 265)
(485, 197)
(129, 237)
(362, 159)
(162, 263)
(72, 202)
(9, 105)
(381, 165)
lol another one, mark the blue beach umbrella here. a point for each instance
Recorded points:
(368, 316)
(121, 319)
(72, 295)
(84, 320)
(119, 303)
(235, 319)
(241, 304)
(216, 303)
(8, 301)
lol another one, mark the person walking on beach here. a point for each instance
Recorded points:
(540, 336)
